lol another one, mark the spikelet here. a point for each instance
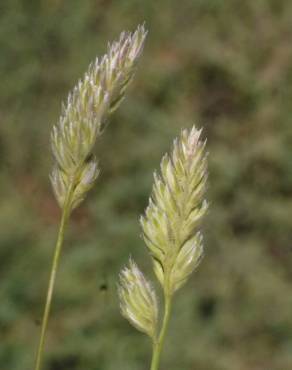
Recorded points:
(138, 300)
(85, 115)
(176, 207)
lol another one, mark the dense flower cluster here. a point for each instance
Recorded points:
(85, 115)
(170, 229)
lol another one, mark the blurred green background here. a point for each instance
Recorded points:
(225, 65)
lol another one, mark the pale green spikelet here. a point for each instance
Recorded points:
(176, 208)
(86, 112)
(138, 300)
(187, 260)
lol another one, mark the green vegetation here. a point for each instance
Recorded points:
(223, 65)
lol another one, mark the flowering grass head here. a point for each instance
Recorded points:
(171, 231)
(83, 119)
(138, 299)
(85, 114)
(176, 208)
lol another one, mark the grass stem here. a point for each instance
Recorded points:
(53, 273)
(158, 344)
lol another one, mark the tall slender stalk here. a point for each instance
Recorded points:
(158, 344)
(53, 273)
(83, 119)
(171, 232)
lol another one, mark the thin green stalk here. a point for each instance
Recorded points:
(158, 344)
(55, 264)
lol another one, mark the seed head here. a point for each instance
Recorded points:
(176, 208)
(86, 112)
(138, 300)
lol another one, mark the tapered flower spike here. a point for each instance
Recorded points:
(171, 232)
(85, 115)
(83, 119)
(138, 300)
(176, 208)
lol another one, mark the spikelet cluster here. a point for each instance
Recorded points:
(85, 115)
(138, 300)
(171, 221)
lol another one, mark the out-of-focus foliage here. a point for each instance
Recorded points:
(225, 65)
